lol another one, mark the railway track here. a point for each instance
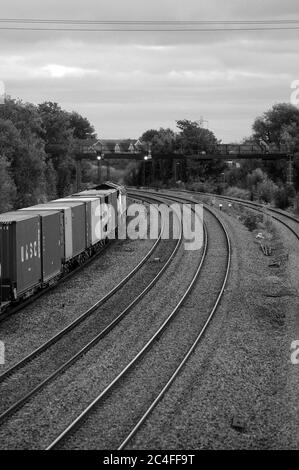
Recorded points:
(11, 309)
(286, 219)
(124, 405)
(29, 376)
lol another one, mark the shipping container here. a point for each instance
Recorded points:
(121, 194)
(52, 231)
(114, 203)
(74, 225)
(95, 193)
(20, 254)
(79, 240)
(111, 218)
(122, 203)
(110, 185)
(67, 236)
(93, 216)
(110, 198)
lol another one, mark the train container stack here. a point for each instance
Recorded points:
(51, 242)
(92, 213)
(111, 199)
(67, 236)
(39, 244)
(20, 254)
(78, 224)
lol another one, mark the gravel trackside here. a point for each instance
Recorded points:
(239, 390)
(123, 407)
(41, 419)
(24, 380)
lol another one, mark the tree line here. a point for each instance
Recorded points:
(37, 148)
(37, 152)
(252, 178)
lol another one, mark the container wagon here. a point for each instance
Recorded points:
(51, 242)
(20, 255)
(39, 244)
(92, 214)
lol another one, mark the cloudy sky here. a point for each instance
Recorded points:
(127, 82)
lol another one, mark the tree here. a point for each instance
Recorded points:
(59, 141)
(36, 151)
(7, 186)
(162, 141)
(57, 129)
(24, 150)
(273, 125)
(149, 135)
(24, 116)
(81, 127)
(10, 139)
(66, 172)
(51, 180)
(29, 175)
(279, 126)
(195, 140)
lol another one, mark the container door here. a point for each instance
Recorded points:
(51, 254)
(28, 254)
(88, 209)
(8, 274)
(68, 235)
(96, 227)
(79, 229)
(114, 210)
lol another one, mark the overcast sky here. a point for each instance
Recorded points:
(128, 82)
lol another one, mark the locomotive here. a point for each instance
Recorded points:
(42, 243)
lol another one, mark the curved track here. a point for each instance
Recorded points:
(85, 431)
(30, 375)
(285, 218)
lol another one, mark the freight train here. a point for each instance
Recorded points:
(42, 243)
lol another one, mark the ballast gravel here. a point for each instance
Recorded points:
(240, 388)
(41, 419)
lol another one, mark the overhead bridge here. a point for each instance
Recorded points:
(178, 160)
(216, 152)
(197, 156)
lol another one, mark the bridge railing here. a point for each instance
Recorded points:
(234, 149)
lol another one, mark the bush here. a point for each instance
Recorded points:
(281, 198)
(256, 177)
(266, 190)
(202, 187)
(251, 221)
(234, 191)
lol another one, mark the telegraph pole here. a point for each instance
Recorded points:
(99, 158)
(108, 169)
(77, 174)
